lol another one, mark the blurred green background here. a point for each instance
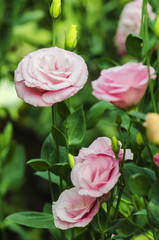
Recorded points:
(26, 26)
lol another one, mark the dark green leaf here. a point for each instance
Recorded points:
(39, 164)
(54, 179)
(61, 169)
(95, 113)
(134, 45)
(114, 225)
(32, 219)
(76, 127)
(138, 179)
(58, 136)
(139, 184)
(48, 150)
(63, 109)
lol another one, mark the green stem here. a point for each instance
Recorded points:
(109, 204)
(53, 32)
(53, 108)
(120, 132)
(100, 227)
(151, 86)
(138, 156)
(51, 192)
(125, 145)
(118, 202)
(92, 235)
(142, 20)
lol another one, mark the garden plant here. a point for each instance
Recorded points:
(89, 90)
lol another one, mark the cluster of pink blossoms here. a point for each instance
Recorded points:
(52, 75)
(95, 173)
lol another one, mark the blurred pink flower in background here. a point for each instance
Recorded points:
(74, 210)
(123, 86)
(96, 170)
(49, 75)
(156, 160)
(130, 22)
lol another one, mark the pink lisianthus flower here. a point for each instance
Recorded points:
(49, 75)
(74, 210)
(156, 160)
(96, 170)
(130, 22)
(123, 86)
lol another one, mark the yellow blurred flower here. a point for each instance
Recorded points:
(152, 126)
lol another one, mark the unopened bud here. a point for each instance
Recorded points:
(156, 26)
(118, 120)
(71, 38)
(152, 127)
(55, 9)
(140, 141)
(115, 146)
(71, 160)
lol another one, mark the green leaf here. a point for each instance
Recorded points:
(13, 170)
(39, 164)
(54, 179)
(139, 184)
(95, 113)
(32, 219)
(142, 212)
(138, 115)
(134, 45)
(7, 134)
(63, 109)
(138, 179)
(154, 203)
(61, 169)
(115, 224)
(48, 150)
(76, 127)
(58, 136)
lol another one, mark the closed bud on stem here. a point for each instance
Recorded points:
(118, 120)
(140, 141)
(55, 9)
(115, 146)
(156, 26)
(71, 160)
(152, 127)
(71, 38)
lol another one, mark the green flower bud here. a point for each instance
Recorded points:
(71, 38)
(156, 26)
(140, 141)
(115, 146)
(118, 120)
(71, 160)
(55, 9)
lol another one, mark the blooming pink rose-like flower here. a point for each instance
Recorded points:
(130, 22)
(49, 75)
(96, 170)
(156, 160)
(123, 86)
(74, 210)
